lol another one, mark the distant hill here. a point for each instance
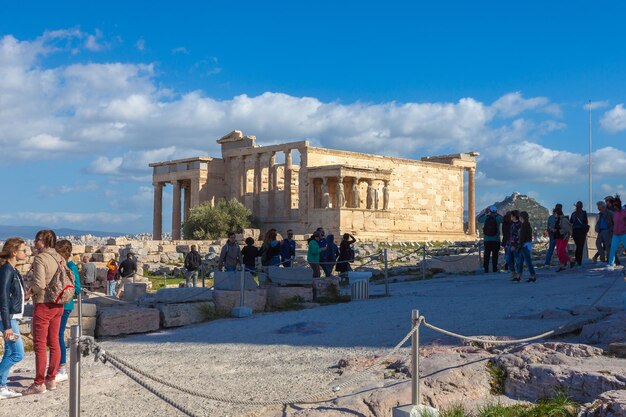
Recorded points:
(537, 214)
(28, 232)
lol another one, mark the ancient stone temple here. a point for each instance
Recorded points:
(299, 186)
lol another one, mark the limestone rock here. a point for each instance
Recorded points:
(618, 349)
(182, 314)
(88, 310)
(325, 287)
(540, 370)
(231, 281)
(116, 321)
(183, 295)
(609, 404)
(226, 300)
(612, 329)
(454, 264)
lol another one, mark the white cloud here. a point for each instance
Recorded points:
(614, 120)
(68, 189)
(512, 104)
(140, 45)
(180, 50)
(94, 42)
(104, 165)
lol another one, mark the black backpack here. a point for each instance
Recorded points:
(193, 261)
(491, 226)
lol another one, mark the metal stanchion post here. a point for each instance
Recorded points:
(241, 287)
(424, 261)
(80, 313)
(202, 274)
(75, 372)
(386, 273)
(164, 280)
(415, 360)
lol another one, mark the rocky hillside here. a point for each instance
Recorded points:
(537, 213)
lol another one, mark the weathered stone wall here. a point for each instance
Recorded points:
(426, 199)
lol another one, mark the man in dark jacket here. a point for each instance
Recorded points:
(128, 267)
(192, 265)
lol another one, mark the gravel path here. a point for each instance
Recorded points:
(289, 354)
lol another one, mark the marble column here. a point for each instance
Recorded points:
(257, 181)
(341, 196)
(305, 189)
(157, 219)
(243, 177)
(195, 192)
(471, 202)
(287, 182)
(176, 224)
(271, 185)
(186, 202)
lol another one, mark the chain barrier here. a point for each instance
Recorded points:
(323, 395)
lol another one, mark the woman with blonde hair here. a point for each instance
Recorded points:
(11, 308)
(46, 316)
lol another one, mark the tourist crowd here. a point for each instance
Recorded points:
(513, 233)
(323, 254)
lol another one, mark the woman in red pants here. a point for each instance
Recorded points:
(47, 316)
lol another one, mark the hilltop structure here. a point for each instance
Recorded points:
(299, 186)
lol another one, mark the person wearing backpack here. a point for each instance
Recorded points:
(580, 228)
(619, 231)
(192, 265)
(46, 315)
(64, 248)
(562, 232)
(492, 222)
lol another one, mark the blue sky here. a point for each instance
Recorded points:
(89, 94)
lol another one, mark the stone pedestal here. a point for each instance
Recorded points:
(183, 295)
(133, 291)
(325, 288)
(115, 321)
(182, 314)
(226, 300)
(276, 296)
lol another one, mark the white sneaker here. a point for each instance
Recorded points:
(6, 393)
(60, 377)
(610, 267)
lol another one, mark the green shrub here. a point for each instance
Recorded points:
(498, 377)
(206, 222)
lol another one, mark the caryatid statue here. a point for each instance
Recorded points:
(341, 197)
(325, 194)
(370, 196)
(386, 196)
(356, 197)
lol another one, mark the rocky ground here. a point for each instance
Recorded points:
(293, 354)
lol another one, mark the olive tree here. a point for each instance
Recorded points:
(206, 222)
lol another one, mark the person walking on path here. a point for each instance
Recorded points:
(525, 247)
(230, 256)
(492, 222)
(562, 232)
(610, 211)
(329, 256)
(313, 254)
(64, 248)
(46, 316)
(506, 236)
(192, 265)
(271, 249)
(288, 249)
(514, 243)
(580, 228)
(619, 231)
(346, 254)
(602, 230)
(12, 296)
(249, 254)
(128, 267)
(551, 235)
(112, 277)
(88, 273)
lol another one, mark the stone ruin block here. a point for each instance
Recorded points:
(167, 248)
(89, 326)
(226, 300)
(182, 314)
(133, 291)
(231, 281)
(183, 248)
(117, 241)
(89, 310)
(115, 321)
(183, 295)
(290, 276)
(325, 287)
(455, 264)
(276, 296)
(78, 249)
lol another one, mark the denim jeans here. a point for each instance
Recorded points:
(230, 268)
(192, 275)
(111, 288)
(550, 252)
(64, 317)
(523, 254)
(13, 353)
(615, 246)
(509, 257)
